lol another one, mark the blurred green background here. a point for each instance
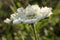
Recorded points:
(46, 29)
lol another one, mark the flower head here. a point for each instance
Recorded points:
(31, 14)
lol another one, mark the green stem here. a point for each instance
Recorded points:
(12, 32)
(34, 31)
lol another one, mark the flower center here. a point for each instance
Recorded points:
(31, 16)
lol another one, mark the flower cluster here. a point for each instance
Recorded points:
(31, 14)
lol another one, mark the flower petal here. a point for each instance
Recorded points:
(16, 22)
(7, 20)
(14, 16)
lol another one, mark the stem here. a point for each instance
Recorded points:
(13, 37)
(12, 33)
(34, 31)
(12, 8)
(0, 37)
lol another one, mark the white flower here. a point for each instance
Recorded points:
(7, 20)
(31, 14)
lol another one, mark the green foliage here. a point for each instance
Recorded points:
(29, 31)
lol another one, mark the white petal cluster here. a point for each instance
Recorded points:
(7, 20)
(31, 14)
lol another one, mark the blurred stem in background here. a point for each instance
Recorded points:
(12, 5)
(0, 38)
